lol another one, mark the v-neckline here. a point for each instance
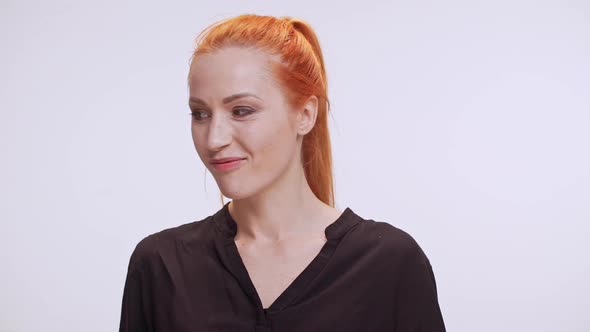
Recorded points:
(290, 293)
(235, 264)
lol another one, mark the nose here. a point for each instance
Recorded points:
(220, 132)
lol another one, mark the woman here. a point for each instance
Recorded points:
(278, 256)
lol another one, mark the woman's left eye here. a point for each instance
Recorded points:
(242, 111)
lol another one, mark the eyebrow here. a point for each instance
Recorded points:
(226, 100)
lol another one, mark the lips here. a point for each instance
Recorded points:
(225, 160)
(227, 164)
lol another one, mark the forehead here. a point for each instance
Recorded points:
(230, 70)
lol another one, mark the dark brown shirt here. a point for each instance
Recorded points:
(368, 276)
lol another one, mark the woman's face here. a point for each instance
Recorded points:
(239, 111)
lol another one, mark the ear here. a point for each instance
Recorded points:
(307, 115)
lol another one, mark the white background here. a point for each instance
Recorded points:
(464, 123)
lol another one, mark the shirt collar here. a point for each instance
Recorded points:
(346, 221)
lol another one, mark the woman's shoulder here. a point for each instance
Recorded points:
(168, 240)
(388, 239)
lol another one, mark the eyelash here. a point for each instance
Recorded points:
(247, 111)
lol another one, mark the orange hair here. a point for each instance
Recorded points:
(301, 73)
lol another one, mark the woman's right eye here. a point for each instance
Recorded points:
(198, 115)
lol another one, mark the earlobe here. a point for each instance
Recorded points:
(308, 115)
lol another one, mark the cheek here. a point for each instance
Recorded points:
(270, 145)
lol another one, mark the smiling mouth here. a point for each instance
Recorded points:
(228, 165)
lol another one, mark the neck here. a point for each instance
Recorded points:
(288, 208)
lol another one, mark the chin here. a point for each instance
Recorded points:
(243, 186)
(234, 195)
(232, 192)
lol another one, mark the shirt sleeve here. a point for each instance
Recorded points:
(136, 297)
(417, 308)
